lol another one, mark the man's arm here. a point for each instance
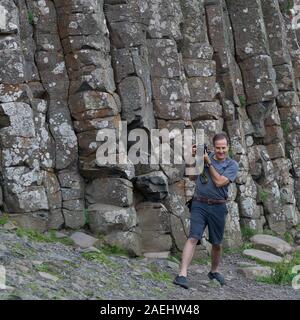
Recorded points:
(219, 181)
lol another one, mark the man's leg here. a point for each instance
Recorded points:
(216, 252)
(215, 261)
(187, 255)
(197, 226)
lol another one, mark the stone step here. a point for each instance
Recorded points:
(271, 244)
(254, 272)
(83, 240)
(262, 255)
(157, 255)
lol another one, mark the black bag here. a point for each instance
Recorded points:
(189, 204)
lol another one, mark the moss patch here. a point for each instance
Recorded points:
(4, 219)
(36, 236)
(100, 257)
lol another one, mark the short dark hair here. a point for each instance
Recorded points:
(220, 136)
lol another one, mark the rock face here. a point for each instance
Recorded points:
(69, 70)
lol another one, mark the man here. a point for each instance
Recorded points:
(209, 207)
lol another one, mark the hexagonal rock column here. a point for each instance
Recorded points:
(153, 220)
(115, 226)
(31, 191)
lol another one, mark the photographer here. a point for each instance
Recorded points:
(209, 207)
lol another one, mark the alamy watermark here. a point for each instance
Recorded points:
(155, 146)
(296, 279)
(296, 16)
(2, 278)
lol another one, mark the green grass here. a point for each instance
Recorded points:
(244, 246)
(33, 286)
(269, 232)
(99, 257)
(176, 255)
(158, 276)
(201, 261)
(263, 196)
(285, 127)
(114, 250)
(86, 216)
(175, 258)
(44, 267)
(288, 237)
(66, 240)
(36, 236)
(30, 17)
(4, 219)
(242, 101)
(32, 235)
(282, 272)
(247, 232)
(287, 6)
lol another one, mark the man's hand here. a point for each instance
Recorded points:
(206, 158)
(194, 150)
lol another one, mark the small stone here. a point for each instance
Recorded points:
(37, 263)
(23, 268)
(89, 249)
(83, 240)
(9, 226)
(60, 235)
(199, 270)
(48, 276)
(172, 265)
(253, 272)
(157, 255)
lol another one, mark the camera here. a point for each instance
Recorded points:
(205, 148)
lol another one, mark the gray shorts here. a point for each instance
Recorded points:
(211, 215)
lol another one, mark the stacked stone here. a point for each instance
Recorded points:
(200, 70)
(94, 105)
(252, 51)
(70, 68)
(30, 186)
(288, 102)
(171, 103)
(50, 61)
(236, 121)
(146, 70)
(288, 113)
(293, 35)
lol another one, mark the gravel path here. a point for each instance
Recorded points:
(38, 270)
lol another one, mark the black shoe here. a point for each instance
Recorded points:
(217, 276)
(181, 281)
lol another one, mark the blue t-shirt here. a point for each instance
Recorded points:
(227, 168)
